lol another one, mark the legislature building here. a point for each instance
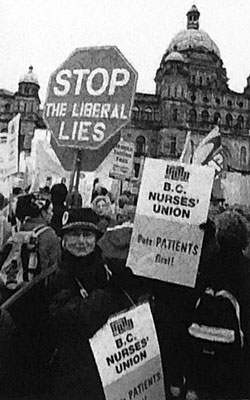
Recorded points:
(191, 93)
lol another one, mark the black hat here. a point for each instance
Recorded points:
(84, 218)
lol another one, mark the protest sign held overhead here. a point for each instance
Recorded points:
(128, 358)
(123, 160)
(3, 154)
(13, 133)
(173, 202)
(89, 99)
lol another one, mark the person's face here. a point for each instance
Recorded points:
(48, 214)
(101, 208)
(79, 242)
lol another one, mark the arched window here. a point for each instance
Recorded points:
(200, 80)
(21, 105)
(140, 144)
(217, 117)
(240, 122)
(243, 156)
(175, 91)
(136, 113)
(192, 115)
(175, 114)
(229, 120)
(193, 79)
(172, 145)
(169, 91)
(137, 169)
(147, 114)
(205, 117)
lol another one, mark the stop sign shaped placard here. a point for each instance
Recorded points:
(90, 97)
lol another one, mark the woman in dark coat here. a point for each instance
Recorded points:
(82, 299)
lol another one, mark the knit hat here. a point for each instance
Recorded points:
(84, 218)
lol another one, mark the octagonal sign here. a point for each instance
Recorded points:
(90, 97)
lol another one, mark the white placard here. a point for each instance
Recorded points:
(13, 133)
(123, 155)
(173, 202)
(128, 358)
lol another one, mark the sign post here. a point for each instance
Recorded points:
(89, 99)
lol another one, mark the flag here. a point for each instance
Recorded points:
(44, 165)
(188, 150)
(210, 152)
(208, 147)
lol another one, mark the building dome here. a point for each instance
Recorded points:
(193, 39)
(174, 56)
(29, 77)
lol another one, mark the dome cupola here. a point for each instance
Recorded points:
(193, 18)
(193, 37)
(29, 77)
(28, 85)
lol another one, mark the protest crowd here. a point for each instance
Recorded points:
(137, 290)
(80, 277)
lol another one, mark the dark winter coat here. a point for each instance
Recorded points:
(31, 346)
(77, 319)
(230, 270)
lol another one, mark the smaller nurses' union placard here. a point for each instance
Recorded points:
(128, 358)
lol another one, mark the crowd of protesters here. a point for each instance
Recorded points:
(44, 334)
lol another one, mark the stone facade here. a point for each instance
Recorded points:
(25, 101)
(192, 93)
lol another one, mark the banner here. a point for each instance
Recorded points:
(123, 160)
(128, 358)
(173, 201)
(13, 133)
(3, 154)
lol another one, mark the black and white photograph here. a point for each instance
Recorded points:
(125, 200)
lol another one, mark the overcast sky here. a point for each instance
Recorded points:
(43, 33)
